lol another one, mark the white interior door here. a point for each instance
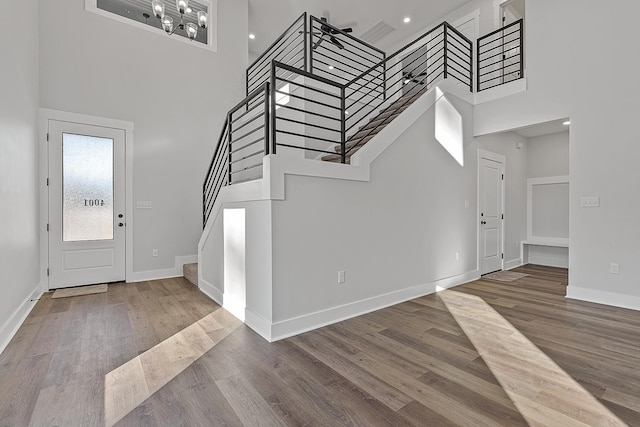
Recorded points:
(511, 11)
(86, 204)
(491, 214)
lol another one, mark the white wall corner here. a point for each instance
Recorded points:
(294, 326)
(259, 324)
(601, 297)
(11, 326)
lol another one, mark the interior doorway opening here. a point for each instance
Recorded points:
(536, 195)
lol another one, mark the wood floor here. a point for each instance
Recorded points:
(160, 353)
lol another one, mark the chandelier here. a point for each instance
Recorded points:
(189, 28)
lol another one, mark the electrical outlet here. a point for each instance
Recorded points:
(340, 276)
(154, 252)
(614, 268)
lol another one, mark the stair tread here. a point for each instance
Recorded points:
(190, 272)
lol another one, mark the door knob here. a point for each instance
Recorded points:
(121, 225)
(483, 222)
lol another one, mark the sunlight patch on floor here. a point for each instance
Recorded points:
(129, 385)
(543, 393)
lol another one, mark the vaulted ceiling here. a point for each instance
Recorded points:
(269, 18)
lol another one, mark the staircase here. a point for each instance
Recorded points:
(295, 102)
(375, 125)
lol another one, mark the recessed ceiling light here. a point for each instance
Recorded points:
(252, 36)
(189, 10)
(331, 67)
(406, 20)
(567, 123)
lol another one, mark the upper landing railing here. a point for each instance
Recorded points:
(500, 56)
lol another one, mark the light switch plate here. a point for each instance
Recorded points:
(140, 204)
(590, 202)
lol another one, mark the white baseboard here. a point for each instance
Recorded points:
(165, 273)
(11, 326)
(211, 291)
(294, 326)
(510, 265)
(601, 297)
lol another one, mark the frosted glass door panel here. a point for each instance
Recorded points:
(87, 176)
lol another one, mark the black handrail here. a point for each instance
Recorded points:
(393, 55)
(224, 166)
(445, 62)
(300, 21)
(314, 85)
(362, 54)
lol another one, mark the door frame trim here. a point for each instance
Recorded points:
(489, 155)
(45, 115)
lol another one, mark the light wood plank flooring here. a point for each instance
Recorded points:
(160, 353)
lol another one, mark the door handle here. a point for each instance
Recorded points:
(483, 222)
(121, 224)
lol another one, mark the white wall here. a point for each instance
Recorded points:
(548, 155)
(397, 232)
(176, 94)
(19, 241)
(515, 211)
(579, 66)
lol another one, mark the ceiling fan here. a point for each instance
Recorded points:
(329, 32)
(408, 77)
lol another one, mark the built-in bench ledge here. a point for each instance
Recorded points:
(558, 242)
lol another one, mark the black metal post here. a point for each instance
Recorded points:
(503, 55)
(446, 48)
(478, 65)
(266, 117)
(273, 107)
(384, 77)
(305, 41)
(229, 142)
(521, 49)
(204, 204)
(310, 42)
(343, 125)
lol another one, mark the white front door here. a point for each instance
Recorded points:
(491, 214)
(86, 204)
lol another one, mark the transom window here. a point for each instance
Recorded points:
(140, 13)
